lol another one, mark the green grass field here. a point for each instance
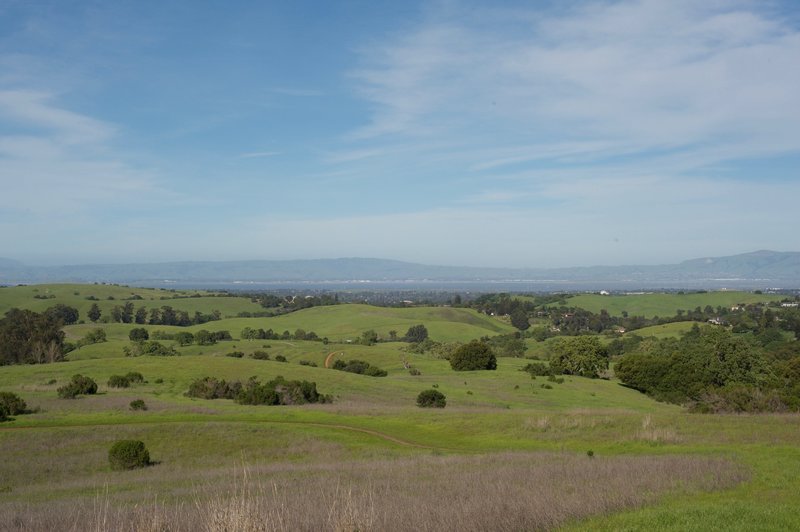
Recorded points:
(649, 305)
(55, 464)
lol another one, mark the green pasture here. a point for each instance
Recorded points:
(663, 304)
(667, 330)
(59, 453)
(74, 295)
(348, 322)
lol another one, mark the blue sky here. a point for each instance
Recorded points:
(467, 133)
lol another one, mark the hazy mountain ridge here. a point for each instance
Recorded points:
(760, 265)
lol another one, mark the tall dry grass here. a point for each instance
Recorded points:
(532, 491)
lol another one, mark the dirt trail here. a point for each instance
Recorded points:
(329, 359)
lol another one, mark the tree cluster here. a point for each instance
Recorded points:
(714, 369)
(360, 367)
(278, 391)
(27, 337)
(583, 356)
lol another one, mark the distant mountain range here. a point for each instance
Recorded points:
(760, 268)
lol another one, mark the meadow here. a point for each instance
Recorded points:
(665, 304)
(507, 453)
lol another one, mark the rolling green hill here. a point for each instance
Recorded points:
(658, 304)
(496, 425)
(40, 297)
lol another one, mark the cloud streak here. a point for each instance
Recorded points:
(719, 80)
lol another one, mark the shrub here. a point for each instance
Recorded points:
(235, 354)
(280, 358)
(95, 336)
(260, 355)
(128, 454)
(360, 367)
(416, 333)
(118, 381)
(475, 355)
(159, 380)
(213, 388)
(431, 399)
(12, 404)
(138, 404)
(538, 369)
(134, 377)
(79, 385)
(308, 363)
(139, 334)
(415, 372)
(151, 348)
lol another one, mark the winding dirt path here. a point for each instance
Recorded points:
(329, 359)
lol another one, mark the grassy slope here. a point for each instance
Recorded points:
(650, 305)
(23, 297)
(487, 412)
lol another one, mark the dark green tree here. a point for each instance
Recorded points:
(584, 356)
(416, 334)
(431, 399)
(519, 319)
(94, 313)
(139, 334)
(27, 337)
(475, 355)
(67, 315)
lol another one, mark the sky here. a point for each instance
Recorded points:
(518, 134)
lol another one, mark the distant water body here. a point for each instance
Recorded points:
(542, 286)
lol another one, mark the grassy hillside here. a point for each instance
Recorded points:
(343, 322)
(649, 305)
(108, 296)
(509, 451)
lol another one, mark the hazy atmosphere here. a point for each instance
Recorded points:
(534, 134)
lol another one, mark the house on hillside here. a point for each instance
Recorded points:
(716, 321)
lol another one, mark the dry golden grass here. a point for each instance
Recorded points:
(530, 491)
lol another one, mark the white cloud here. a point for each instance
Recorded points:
(56, 162)
(715, 79)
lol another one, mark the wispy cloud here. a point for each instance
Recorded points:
(719, 79)
(259, 154)
(288, 91)
(55, 161)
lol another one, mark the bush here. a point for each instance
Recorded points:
(280, 358)
(538, 369)
(138, 404)
(360, 367)
(12, 404)
(79, 385)
(416, 333)
(431, 399)
(260, 355)
(118, 381)
(308, 363)
(128, 454)
(414, 372)
(151, 348)
(235, 354)
(134, 377)
(475, 355)
(213, 388)
(139, 334)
